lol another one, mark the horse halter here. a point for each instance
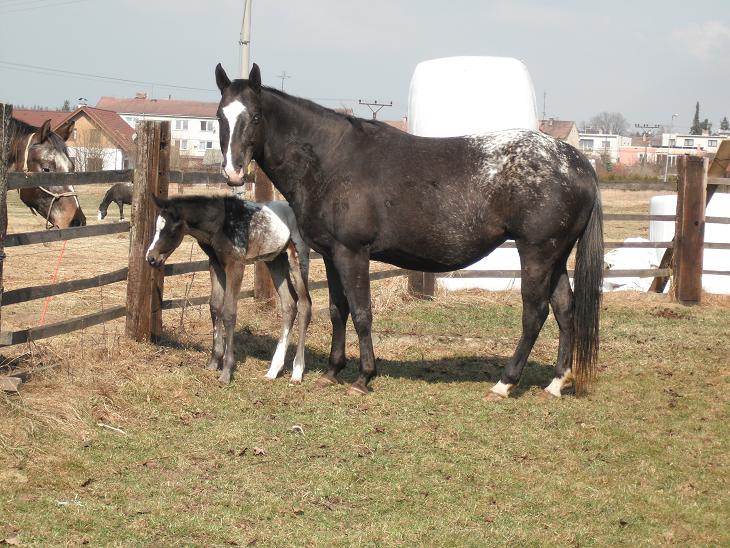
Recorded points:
(54, 196)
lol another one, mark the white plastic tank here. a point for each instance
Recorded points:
(456, 96)
(713, 259)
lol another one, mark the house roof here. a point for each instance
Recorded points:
(159, 107)
(401, 124)
(560, 129)
(38, 117)
(109, 122)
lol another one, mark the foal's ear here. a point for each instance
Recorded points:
(66, 130)
(254, 78)
(44, 132)
(221, 78)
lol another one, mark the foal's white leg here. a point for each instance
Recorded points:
(298, 276)
(278, 268)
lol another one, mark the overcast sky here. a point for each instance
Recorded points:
(647, 59)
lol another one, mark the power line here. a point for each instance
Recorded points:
(28, 8)
(60, 72)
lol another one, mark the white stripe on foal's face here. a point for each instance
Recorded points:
(232, 112)
(159, 225)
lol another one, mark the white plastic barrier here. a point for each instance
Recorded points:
(629, 258)
(471, 95)
(713, 259)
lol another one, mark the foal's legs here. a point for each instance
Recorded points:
(536, 275)
(339, 312)
(354, 269)
(234, 276)
(561, 301)
(278, 269)
(304, 308)
(217, 292)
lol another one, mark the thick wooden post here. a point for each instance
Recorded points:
(422, 285)
(6, 112)
(263, 287)
(144, 283)
(690, 232)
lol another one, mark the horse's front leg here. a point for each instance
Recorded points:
(354, 269)
(234, 276)
(339, 312)
(217, 292)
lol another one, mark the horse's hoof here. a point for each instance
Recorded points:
(224, 379)
(295, 381)
(493, 396)
(324, 381)
(545, 395)
(270, 377)
(357, 391)
(212, 366)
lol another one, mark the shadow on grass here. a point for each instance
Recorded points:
(467, 368)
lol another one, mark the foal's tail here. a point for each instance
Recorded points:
(588, 281)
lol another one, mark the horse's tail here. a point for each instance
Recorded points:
(588, 282)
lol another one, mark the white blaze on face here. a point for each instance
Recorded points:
(159, 225)
(232, 112)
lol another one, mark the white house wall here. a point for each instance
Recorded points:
(193, 134)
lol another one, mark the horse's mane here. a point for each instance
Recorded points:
(307, 104)
(18, 129)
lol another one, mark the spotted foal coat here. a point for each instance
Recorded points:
(232, 233)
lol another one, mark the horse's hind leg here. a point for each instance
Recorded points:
(536, 274)
(304, 309)
(561, 301)
(121, 210)
(339, 311)
(278, 269)
(217, 293)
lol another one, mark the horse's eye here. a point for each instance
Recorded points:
(46, 170)
(256, 118)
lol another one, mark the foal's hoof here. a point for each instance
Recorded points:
(355, 390)
(324, 381)
(295, 381)
(213, 365)
(224, 379)
(493, 396)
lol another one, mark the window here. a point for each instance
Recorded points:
(672, 142)
(183, 144)
(689, 142)
(205, 145)
(712, 143)
(586, 144)
(606, 144)
(206, 125)
(181, 125)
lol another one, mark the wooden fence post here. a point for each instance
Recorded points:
(421, 285)
(144, 283)
(689, 237)
(263, 287)
(6, 112)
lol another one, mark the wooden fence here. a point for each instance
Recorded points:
(145, 286)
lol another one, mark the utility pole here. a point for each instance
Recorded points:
(283, 76)
(374, 106)
(544, 105)
(647, 130)
(244, 42)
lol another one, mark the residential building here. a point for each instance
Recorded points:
(687, 143)
(193, 124)
(565, 130)
(100, 140)
(595, 145)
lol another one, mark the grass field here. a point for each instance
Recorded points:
(112, 442)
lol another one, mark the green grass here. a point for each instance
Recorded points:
(423, 460)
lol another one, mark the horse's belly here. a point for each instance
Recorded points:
(437, 258)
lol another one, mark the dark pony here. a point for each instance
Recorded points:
(35, 149)
(363, 190)
(120, 194)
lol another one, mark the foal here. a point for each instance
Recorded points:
(234, 232)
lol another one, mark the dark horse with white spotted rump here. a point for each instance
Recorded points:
(34, 149)
(234, 232)
(362, 190)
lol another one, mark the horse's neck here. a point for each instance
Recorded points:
(296, 140)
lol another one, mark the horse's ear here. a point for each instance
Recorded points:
(254, 78)
(161, 203)
(221, 78)
(66, 130)
(44, 132)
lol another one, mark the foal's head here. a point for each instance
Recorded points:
(169, 233)
(240, 120)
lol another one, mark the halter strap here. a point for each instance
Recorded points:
(26, 155)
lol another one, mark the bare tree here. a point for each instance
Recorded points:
(91, 155)
(609, 122)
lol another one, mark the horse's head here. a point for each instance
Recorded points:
(45, 151)
(241, 122)
(169, 233)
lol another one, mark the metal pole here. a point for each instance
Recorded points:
(245, 39)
